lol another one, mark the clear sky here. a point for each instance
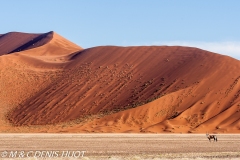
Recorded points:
(213, 25)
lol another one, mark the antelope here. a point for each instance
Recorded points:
(214, 137)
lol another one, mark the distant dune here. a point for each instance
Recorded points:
(16, 41)
(49, 84)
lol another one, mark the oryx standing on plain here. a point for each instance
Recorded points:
(214, 137)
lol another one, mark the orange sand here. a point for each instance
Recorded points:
(49, 84)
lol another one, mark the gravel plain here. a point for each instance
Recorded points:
(118, 146)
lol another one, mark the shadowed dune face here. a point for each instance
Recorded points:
(123, 89)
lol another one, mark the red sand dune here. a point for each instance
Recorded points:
(16, 41)
(59, 87)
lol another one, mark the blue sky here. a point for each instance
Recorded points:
(208, 24)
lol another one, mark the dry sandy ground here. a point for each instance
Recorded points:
(124, 146)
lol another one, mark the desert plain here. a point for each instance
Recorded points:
(125, 146)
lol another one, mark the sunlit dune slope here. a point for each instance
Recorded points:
(58, 46)
(135, 89)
